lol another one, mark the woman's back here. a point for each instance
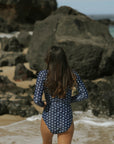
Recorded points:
(58, 112)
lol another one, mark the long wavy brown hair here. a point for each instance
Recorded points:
(60, 76)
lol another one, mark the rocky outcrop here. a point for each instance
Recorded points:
(21, 73)
(10, 59)
(22, 11)
(16, 105)
(11, 44)
(106, 21)
(11, 51)
(7, 85)
(24, 38)
(88, 44)
(90, 51)
(15, 100)
(5, 27)
(100, 100)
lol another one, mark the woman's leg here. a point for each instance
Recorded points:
(66, 137)
(45, 132)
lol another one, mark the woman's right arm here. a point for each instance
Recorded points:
(83, 94)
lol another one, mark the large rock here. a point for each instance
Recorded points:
(16, 105)
(5, 27)
(10, 59)
(22, 73)
(6, 85)
(88, 44)
(11, 44)
(26, 11)
(14, 26)
(24, 38)
(101, 96)
(3, 108)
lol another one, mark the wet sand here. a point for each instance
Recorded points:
(9, 119)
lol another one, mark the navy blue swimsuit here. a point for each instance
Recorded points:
(58, 112)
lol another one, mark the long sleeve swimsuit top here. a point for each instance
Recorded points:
(57, 114)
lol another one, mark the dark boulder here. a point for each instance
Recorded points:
(106, 21)
(13, 13)
(14, 26)
(11, 44)
(101, 99)
(17, 108)
(10, 59)
(6, 85)
(5, 27)
(20, 59)
(3, 108)
(17, 105)
(65, 10)
(88, 44)
(24, 38)
(22, 73)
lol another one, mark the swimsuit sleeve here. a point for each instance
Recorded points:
(82, 92)
(39, 90)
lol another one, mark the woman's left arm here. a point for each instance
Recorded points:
(39, 90)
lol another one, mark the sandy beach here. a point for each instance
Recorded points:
(7, 119)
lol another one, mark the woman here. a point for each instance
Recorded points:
(57, 82)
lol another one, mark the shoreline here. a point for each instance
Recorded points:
(7, 119)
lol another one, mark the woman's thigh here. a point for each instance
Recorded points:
(45, 132)
(66, 137)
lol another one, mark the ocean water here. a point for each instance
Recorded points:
(111, 30)
(88, 130)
